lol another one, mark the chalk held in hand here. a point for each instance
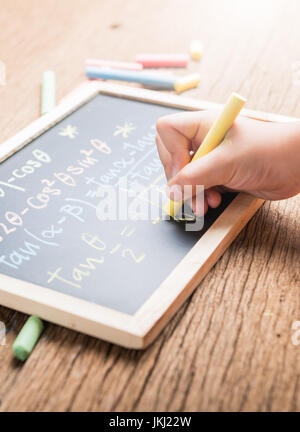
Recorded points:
(213, 138)
(48, 92)
(187, 82)
(196, 50)
(114, 64)
(146, 78)
(27, 338)
(162, 60)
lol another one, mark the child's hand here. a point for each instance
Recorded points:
(260, 158)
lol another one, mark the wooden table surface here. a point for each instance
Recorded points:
(230, 346)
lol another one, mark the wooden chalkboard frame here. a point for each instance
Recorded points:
(138, 330)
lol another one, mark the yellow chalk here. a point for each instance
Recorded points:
(187, 82)
(172, 207)
(196, 50)
(213, 138)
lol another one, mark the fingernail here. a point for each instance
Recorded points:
(174, 192)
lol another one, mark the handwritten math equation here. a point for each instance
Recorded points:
(37, 186)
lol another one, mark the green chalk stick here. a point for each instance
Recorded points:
(48, 91)
(27, 338)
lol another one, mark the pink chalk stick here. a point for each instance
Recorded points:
(114, 64)
(163, 60)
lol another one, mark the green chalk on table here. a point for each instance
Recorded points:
(27, 338)
(48, 91)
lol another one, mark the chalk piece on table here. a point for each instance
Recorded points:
(114, 64)
(162, 60)
(196, 50)
(187, 82)
(27, 338)
(48, 91)
(146, 78)
(213, 138)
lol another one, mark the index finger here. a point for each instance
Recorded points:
(180, 134)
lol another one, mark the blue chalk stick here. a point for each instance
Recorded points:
(145, 78)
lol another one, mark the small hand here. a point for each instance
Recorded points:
(260, 158)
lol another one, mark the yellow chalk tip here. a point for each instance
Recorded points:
(196, 50)
(238, 98)
(172, 208)
(187, 82)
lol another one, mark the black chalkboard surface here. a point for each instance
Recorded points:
(50, 234)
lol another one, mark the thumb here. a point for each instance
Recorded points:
(211, 170)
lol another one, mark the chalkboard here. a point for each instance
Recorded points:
(50, 234)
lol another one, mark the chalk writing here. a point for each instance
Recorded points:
(69, 131)
(50, 233)
(124, 130)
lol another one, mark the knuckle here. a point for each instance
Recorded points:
(162, 123)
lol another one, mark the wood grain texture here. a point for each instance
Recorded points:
(229, 347)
